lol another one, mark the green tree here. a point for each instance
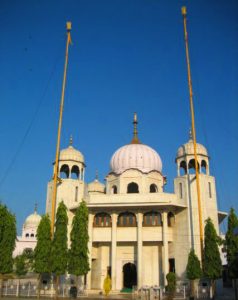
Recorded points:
(20, 265)
(193, 270)
(29, 258)
(78, 253)
(42, 250)
(59, 253)
(231, 243)
(212, 267)
(171, 286)
(7, 241)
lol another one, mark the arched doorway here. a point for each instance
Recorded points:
(129, 275)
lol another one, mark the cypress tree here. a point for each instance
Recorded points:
(42, 250)
(212, 266)
(193, 270)
(78, 253)
(7, 239)
(20, 265)
(59, 252)
(231, 243)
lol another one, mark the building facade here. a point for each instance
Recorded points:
(138, 232)
(28, 240)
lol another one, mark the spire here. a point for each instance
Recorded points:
(135, 139)
(71, 140)
(190, 135)
(96, 175)
(35, 209)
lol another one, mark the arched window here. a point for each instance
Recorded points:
(183, 168)
(32, 234)
(114, 189)
(126, 219)
(152, 218)
(27, 234)
(171, 219)
(64, 171)
(153, 188)
(204, 167)
(75, 172)
(102, 220)
(191, 166)
(132, 188)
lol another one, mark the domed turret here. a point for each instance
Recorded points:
(31, 224)
(71, 163)
(71, 154)
(188, 148)
(135, 156)
(185, 157)
(96, 186)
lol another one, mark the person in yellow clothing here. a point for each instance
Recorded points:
(107, 285)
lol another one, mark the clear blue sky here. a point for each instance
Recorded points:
(127, 56)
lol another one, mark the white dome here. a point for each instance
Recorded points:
(32, 221)
(135, 156)
(71, 153)
(188, 149)
(96, 186)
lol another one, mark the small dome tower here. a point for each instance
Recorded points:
(185, 187)
(185, 158)
(70, 188)
(31, 224)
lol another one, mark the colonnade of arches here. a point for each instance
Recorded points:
(133, 187)
(128, 219)
(185, 168)
(73, 172)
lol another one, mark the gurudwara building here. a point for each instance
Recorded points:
(138, 232)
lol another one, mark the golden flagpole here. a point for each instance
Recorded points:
(184, 13)
(56, 166)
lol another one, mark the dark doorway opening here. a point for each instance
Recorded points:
(129, 275)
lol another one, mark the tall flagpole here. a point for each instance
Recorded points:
(184, 13)
(56, 165)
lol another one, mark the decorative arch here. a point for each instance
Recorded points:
(153, 188)
(75, 172)
(183, 168)
(152, 218)
(114, 189)
(191, 166)
(132, 188)
(204, 167)
(126, 219)
(129, 275)
(171, 219)
(102, 219)
(64, 171)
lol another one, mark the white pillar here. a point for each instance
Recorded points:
(114, 250)
(139, 249)
(90, 244)
(165, 254)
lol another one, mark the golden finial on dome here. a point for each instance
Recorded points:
(190, 135)
(35, 209)
(71, 140)
(96, 175)
(135, 139)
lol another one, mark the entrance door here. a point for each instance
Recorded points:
(129, 275)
